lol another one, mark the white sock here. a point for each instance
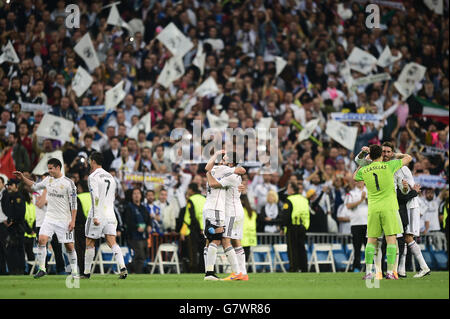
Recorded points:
(205, 256)
(41, 257)
(118, 255)
(378, 258)
(240, 254)
(232, 259)
(88, 259)
(211, 255)
(73, 261)
(402, 263)
(415, 249)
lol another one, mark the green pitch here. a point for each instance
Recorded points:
(260, 286)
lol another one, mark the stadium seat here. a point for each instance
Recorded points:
(339, 256)
(32, 263)
(265, 250)
(322, 254)
(280, 250)
(441, 259)
(351, 256)
(160, 262)
(104, 257)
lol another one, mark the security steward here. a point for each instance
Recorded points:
(249, 237)
(13, 206)
(192, 228)
(30, 224)
(295, 216)
(84, 204)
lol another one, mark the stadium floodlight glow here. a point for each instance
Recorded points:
(8, 1)
(131, 39)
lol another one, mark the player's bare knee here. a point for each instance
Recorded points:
(110, 240)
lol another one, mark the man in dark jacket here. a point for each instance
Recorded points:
(13, 206)
(19, 153)
(137, 222)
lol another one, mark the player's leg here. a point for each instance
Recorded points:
(211, 256)
(392, 225)
(374, 230)
(402, 261)
(391, 252)
(240, 255)
(41, 254)
(89, 255)
(414, 230)
(118, 256)
(400, 253)
(231, 256)
(71, 252)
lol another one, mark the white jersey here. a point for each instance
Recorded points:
(61, 197)
(233, 196)
(40, 212)
(215, 197)
(102, 187)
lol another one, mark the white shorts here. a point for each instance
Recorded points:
(105, 228)
(49, 227)
(413, 227)
(234, 227)
(216, 217)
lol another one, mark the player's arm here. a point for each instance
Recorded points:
(406, 158)
(72, 192)
(357, 175)
(212, 160)
(93, 189)
(29, 182)
(361, 159)
(212, 182)
(239, 170)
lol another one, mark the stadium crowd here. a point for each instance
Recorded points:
(241, 39)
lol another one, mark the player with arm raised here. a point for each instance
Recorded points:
(214, 216)
(60, 216)
(383, 206)
(101, 219)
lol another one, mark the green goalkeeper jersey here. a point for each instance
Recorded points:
(379, 180)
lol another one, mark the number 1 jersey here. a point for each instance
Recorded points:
(379, 180)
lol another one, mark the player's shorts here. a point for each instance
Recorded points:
(413, 227)
(387, 221)
(234, 227)
(216, 217)
(50, 227)
(106, 227)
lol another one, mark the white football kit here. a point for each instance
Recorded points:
(234, 212)
(214, 208)
(62, 199)
(102, 187)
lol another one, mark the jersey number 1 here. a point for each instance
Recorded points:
(107, 188)
(376, 181)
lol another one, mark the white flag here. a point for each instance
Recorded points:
(145, 123)
(308, 129)
(280, 63)
(200, 58)
(209, 86)
(114, 18)
(386, 58)
(346, 73)
(217, 122)
(81, 81)
(344, 13)
(41, 167)
(175, 41)
(361, 61)
(172, 71)
(136, 25)
(435, 5)
(55, 128)
(9, 54)
(380, 77)
(85, 49)
(343, 134)
(411, 74)
(114, 96)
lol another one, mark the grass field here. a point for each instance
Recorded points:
(260, 286)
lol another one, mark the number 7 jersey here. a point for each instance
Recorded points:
(102, 187)
(379, 180)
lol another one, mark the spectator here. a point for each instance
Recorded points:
(430, 209)
(19, 153)
(269, 214)
(138, 226)
(154, 212)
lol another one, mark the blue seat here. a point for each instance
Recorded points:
(339, 256)
(428, 258)
(441, 258)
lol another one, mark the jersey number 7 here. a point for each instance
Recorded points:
(107, 188)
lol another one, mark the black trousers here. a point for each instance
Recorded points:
(140, 254)
(15, 254)
(3, 236)
(195, 246)
(296, 238)
(80, 246)
(59, 260)
(359, 238)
